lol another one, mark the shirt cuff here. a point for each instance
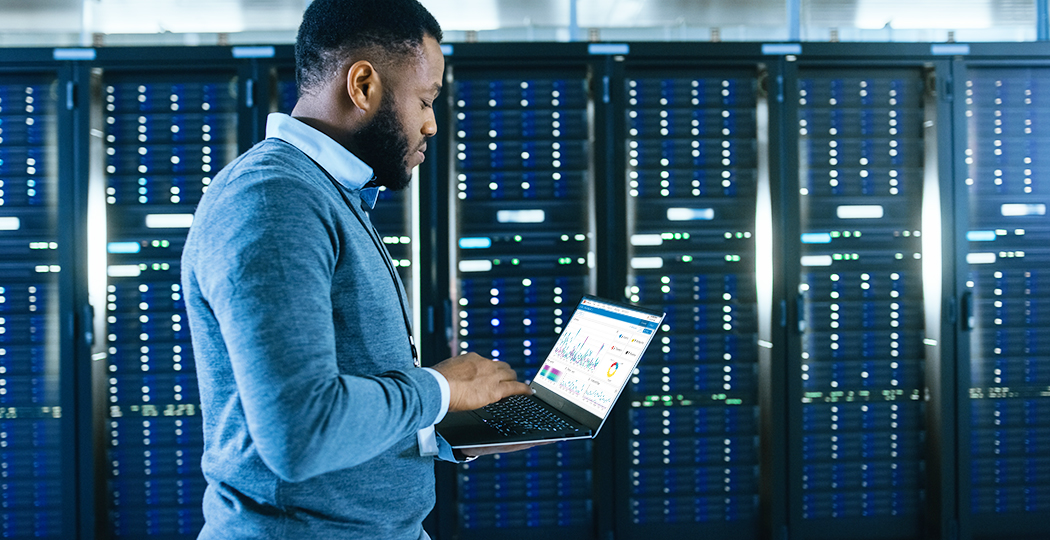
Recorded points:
(445, 451)
(428, 444)
(446, 393)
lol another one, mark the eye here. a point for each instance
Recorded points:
(426, 104)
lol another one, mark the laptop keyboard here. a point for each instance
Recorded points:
(519, 415)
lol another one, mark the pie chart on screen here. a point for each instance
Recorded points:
(612, 369)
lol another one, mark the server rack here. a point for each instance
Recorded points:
(520, 195)
(861, 420)
(38, 404)
(692, 138)
(1003, 378)
(164, 133)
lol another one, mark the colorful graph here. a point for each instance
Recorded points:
(550, 372)
(612, 369)
(598, 396)
(573, 385)
(583, 353)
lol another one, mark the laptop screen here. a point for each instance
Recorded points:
(596, 353)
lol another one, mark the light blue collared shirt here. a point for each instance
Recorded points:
(343, 165)
(353, 174)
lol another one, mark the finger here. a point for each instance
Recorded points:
(506, 372)
(511, 388)
(503, 366)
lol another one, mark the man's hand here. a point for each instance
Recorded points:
(476, 381)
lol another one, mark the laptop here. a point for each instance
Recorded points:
(575, 388)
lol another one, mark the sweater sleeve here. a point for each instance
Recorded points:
(266, 254)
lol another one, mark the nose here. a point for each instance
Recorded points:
(430, 126)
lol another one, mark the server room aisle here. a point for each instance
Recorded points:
(848, 240)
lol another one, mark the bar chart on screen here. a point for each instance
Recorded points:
(579, 350)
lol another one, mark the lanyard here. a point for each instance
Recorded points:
(383, 254)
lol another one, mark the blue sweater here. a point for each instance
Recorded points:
(310, 400)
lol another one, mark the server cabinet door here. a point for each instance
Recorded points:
(1004, 458)
(521, 201)
(859, 441)
(33, 457)
(164, 135)
(692, 165)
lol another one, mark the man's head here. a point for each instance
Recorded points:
(368, 73)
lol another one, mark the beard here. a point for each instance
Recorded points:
(384, 147)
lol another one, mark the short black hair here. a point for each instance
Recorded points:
(334, 30)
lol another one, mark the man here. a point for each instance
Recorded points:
(316, 422)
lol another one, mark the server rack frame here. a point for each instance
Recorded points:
(89, 441)
(160, 61)
(498, 57)
(768, 68)
(75, 468)
(261, 92)
(979, 55)
(433, 174)
(937, 518)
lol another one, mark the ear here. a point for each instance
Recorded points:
(363, 86)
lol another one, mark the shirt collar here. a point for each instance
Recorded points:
(343, 165)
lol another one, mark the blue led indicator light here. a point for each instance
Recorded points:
(73, 54)
(981, 236)
(781, 48)
(1017, 210)
(690, 214)
(478, 242)
(816, 238)
(609, 48)
(254, 52)
(949, 49)
(124, 247)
